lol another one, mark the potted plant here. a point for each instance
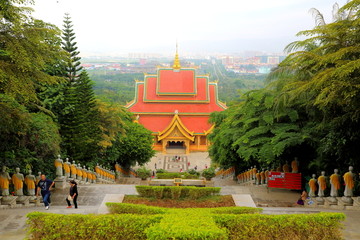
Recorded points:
(208, 173)
(143, 173)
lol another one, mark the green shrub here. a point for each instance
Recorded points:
(296, 226)
(175, 192)
(145, 191)
(143, 173)
(193, 172)
(158, 192)
(121, 208)
(171, 175)
(48, 226)
(208, 173)
(187, 175)
(184, 192)
(160, 170)
(124, 208)
(186, 225)
(236, 210)
(192, 223)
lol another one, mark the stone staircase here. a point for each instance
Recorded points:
(90, 195)
(128, 180)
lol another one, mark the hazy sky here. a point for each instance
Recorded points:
(119, 26)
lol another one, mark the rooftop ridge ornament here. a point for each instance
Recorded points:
(176, 65)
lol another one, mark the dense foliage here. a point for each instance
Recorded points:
(47, 103)
(309, 108)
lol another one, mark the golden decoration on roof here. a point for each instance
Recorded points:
(176, 60)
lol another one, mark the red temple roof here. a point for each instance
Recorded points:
(175, 92)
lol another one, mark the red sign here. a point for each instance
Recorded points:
(284, 180)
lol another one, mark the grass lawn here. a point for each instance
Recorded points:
(205, 202)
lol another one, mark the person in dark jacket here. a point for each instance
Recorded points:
(44, 187)
(73, 194)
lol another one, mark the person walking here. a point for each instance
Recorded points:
(73, 194)
(44, 187)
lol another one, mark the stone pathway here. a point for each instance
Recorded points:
(92, 199)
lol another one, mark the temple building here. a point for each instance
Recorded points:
(175, 104)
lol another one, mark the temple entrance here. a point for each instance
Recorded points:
(176, 144)
(175, 147)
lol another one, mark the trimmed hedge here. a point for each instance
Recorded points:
(235, 210)
(292, 227)
(121, 208)
(171, 175)
(156, 223)
(186, 225)
(49, 226)
(176, 192)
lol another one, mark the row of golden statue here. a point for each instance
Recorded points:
(318, 187)
(262, 177)
(18, 180)
(82, 175)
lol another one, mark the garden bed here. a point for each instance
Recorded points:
(204, 202)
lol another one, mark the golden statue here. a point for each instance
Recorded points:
(322, 184)
(262, 177)
(30, 182)
(59, 167)
(313, 187)
(295, 166)
(254, 171)
(18, 181)
(335, 183)
(4, 182)
(84, 174)
(73, 170)
(67, 167)
(257, 175)
(349, 183)
(286, 167)
(79, 172)
(267, 175)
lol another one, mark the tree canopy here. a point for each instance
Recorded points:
(308, 109)
(47, 103)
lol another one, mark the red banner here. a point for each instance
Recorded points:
(284, 180)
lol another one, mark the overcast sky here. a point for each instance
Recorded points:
(200, 26)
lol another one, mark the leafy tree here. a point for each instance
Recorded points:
(113, 119)
(28, 136)
(27, 46)
(133, 148)
(309, 108)
(28, 139)
(323, 75)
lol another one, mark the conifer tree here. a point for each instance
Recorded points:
(79, 118)
(73, 64)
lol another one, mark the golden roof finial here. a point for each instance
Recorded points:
(176, 60)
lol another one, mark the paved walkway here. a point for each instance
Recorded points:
(92, 199)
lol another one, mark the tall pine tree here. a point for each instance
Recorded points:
(79, 119)
(73, 64)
